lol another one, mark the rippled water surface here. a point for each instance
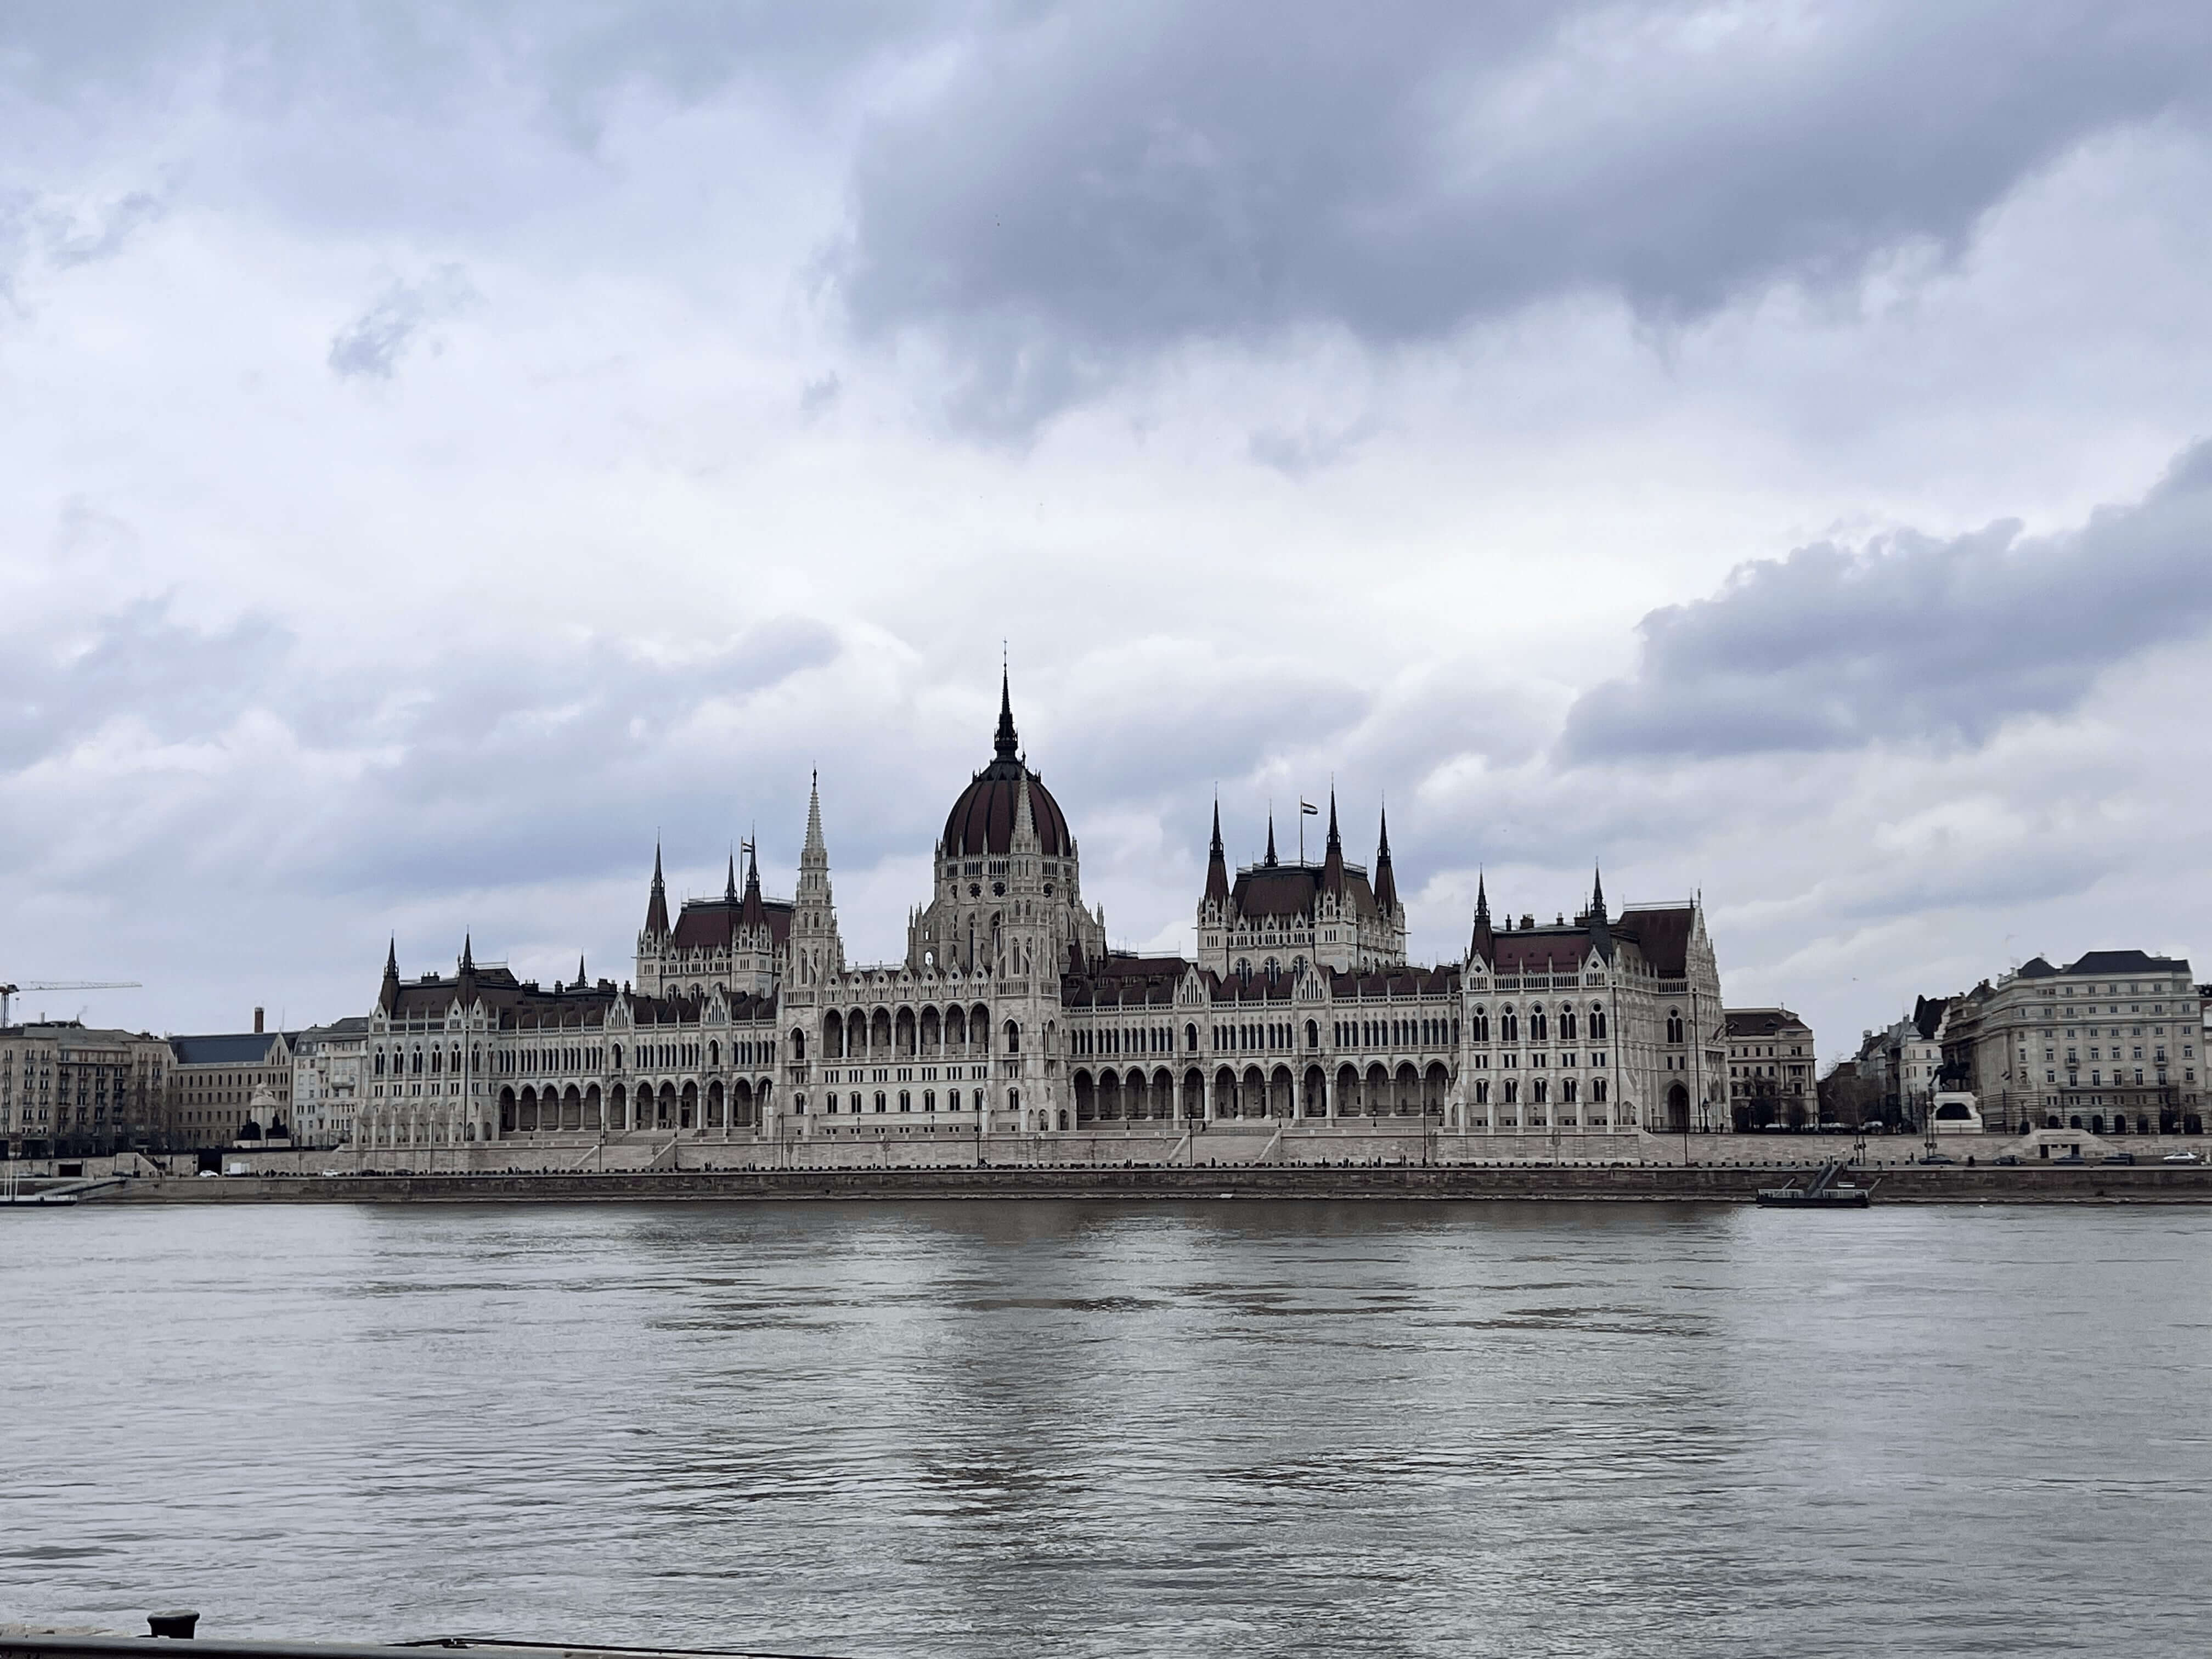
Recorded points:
(1064, 1428)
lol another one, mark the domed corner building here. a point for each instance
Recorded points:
(1299, 1014)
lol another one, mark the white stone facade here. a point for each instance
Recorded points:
(1008, 1014)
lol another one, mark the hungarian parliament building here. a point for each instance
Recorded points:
(1010, 1015)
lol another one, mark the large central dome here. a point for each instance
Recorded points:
(982, 822)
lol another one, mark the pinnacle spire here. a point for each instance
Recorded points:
(581, 982)
(1008, 745)
(468, 954)
(392, 958)
(1597, 893)
(1270, 838)
(729, 881)
(1332, 863)
(1386, 879)
(656, 906)
(1217, 864)
(1482, 900)
(815, 847)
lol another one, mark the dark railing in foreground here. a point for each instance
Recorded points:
(30, 1642)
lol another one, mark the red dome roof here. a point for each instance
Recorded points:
(982, 822)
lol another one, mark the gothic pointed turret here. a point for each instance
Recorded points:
(1024, 838)
(1386, 881)
(1601, 931)
(656, 908)
(388, 998)
(1008, 745)
(730, 882)
(581, 982)
(1332, 863)
(1483, 943)
(1217, 864)
(751, 913)
(1270, 859)
(468, 953)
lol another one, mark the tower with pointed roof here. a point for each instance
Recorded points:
(817, 950)
(1009, 879)
(1275, 919)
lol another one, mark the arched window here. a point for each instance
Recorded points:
(618, 1056)
(1013, 1038)
(714, 1055)
(1538, 1090)
(1481, 1026)
(380, 1062)
(1014, 1100)
(882, 1103)
(1674, 1026)
(906, 1100)
(1566, 1025)
(1512, 1091)
(1190, 1038)
(1597, 1022)
(1313, 1034)
(1482, 1091)
(1597, 1091)
(1536, 1024)
(1566, 1092)
(929, 1100)
(1509, 1026)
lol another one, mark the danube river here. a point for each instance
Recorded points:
(1064, 1428)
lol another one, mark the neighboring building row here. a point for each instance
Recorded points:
(2112, 1042)
(69, 1090)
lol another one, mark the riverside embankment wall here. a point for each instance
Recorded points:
(1956, 1184)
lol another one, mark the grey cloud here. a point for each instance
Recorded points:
(1312, 448)
(110, 229)
(1909, 638)
(374, 343)
(136, 662)
(1094, 184)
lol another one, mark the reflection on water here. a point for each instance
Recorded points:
(1021, 1428)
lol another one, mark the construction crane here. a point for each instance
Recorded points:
(10, 992)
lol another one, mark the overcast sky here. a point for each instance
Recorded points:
(1751, 447)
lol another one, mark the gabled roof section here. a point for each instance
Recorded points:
(2100, 963)
(1762, 1022)
(1662, 932)
(226, 1049)
(712, 924)
(1294, 890)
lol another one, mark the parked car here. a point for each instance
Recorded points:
(2071, 1158)
(2120, 1158)
(2181, 1157)
(1939, 1157)
(2007, 1158)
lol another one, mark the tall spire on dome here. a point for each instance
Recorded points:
(1483, 943)
(1270, 859)
(387, 997)
(1008, 745)
(656, 907)
(1386, 880)
(1216, 863)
